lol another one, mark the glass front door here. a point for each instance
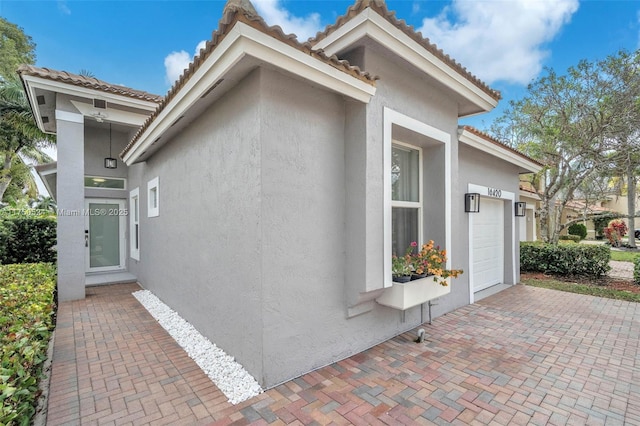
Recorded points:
(105, 235)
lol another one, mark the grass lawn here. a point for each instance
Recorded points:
(620, 290)
(624, 256)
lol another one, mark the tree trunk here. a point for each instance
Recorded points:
(631, 205)
(5, 174)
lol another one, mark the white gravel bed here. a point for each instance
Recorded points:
(229, 376)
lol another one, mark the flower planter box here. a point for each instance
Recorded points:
(407, 295)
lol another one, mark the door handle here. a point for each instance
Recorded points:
(86, 238)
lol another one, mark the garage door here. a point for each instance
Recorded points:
(488, 244)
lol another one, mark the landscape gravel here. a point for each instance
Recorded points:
(229, 376)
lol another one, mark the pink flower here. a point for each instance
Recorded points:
(414, 244)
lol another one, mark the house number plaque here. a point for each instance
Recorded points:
(496, 193)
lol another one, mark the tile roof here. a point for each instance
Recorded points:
(87, 82)
(243, 11)
(489, 138)
(380, 7)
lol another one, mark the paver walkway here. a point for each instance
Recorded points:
(524, 356)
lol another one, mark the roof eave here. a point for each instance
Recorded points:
(244, 40)
(525, 164)
(370, 23)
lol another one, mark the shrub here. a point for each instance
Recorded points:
(565, 259)
(615, 231)
(636, 270)
(601, 222)
(28, 240)
(578, 229)
(574, 238)
(26, 321)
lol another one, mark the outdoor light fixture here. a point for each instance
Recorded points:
(472, 203)
(109, 162)
(520, 207)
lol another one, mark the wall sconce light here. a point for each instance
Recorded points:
(472, 203)
(520, 208)
(109, 162)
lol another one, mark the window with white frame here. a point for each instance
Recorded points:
(153, 198)
(134, 224)
(406, 196)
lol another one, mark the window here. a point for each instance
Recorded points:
(406, 196)
(104, 182)
(134, 224)
(153, 198)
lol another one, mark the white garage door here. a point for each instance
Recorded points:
(488, 244)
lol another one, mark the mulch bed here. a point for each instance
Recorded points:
(605, 282)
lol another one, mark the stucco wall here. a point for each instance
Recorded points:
(202, 254)
(404, 90)
(479, 168)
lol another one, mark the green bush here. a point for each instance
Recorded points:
(565, 259)
(574, 238)
(636, 270)
(26, 321)
(27, 240)
(578, 229)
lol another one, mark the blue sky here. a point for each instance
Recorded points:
(507, 43)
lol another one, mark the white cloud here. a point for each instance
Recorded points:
(275, 14)
(499, 39)
(176, 62)
(63, 7)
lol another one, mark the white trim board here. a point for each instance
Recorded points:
(242, 41)
(391, 117)
(487, 192)
(477, 142)
(370, 24)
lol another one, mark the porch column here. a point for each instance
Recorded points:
(70, 200)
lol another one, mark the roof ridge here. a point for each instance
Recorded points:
(86, 81)
(380, 7)
(243, 11)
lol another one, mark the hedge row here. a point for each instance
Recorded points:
(27, 240)
(26, 322)
(636, 270)
(565, 259)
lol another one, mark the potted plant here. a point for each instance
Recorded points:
(407, 292)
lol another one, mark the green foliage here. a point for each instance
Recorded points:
(26, 321)
(578, 229)
(27, 240)
(572, 238)
(16, 48)
(565, 259)
(601, 222)
(636, 270)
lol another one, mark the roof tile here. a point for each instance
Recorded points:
(88, 82)
(243, 11)
(380, 7)
(491, 139)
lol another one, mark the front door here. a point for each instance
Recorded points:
(105, 235)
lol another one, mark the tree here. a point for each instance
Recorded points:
(623, 137)
(560, 123)
(16, 48)
(579, 125)
(20, 138)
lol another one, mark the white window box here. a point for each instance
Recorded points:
(413, 293)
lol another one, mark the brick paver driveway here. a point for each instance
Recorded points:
(524, 356)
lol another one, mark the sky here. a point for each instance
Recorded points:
(507, 43)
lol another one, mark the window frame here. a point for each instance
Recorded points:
(153, 185)
(134, 224)
(417, 205)
(123, 180)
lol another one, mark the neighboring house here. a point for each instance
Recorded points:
(263, 197)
